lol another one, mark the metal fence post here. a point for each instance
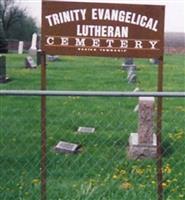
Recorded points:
(43, 128)
(159, 126)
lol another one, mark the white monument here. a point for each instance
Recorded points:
(33, 48)
(20, 47)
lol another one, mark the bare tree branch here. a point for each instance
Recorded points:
(10, 13)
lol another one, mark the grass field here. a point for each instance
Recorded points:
(101, 171)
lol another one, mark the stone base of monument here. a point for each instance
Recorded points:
(5, 80)
(30, 63)
(141, 151)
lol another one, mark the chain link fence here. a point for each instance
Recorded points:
(101, 169)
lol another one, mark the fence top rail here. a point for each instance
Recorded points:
(89, 93)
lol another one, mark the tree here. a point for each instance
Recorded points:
(16, 23)
(10, 13)
(23, 29)
(3, 41)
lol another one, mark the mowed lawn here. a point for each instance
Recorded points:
(101, 170)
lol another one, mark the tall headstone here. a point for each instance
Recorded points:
(33, 49)
(129, 66)
(39, 41)
(3, 77)
(144, 143)
(145, 127)
(20, 47)
(39, 51)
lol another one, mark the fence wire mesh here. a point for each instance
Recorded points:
(20, 148)
(101, 170)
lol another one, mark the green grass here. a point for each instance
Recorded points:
(101, 171)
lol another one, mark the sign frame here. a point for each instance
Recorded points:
(102, 29)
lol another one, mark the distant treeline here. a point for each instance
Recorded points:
(175, 40)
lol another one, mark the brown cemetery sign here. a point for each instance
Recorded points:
(99, 29)
(102, 29)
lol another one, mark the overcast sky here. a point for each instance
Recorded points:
(174, 20)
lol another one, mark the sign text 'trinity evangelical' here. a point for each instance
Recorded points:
(99, 29)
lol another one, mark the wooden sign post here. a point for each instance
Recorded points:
(102, 29)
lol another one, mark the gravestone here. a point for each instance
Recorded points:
(137, 106)
(39, 41)
(86, 130)
(20, 47)
(154, 61)
(53, 58)
(136, 89)
(132, 74)
(144, 143)
(127, 63)
(39, 57)
(33, 49)
(67, 147)
(3, 77)
(30, 63)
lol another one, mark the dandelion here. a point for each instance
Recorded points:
(153, 182)
(142, 186)
(174, 190)
(35, 181)
(168, 181)
(126, 185)
(122, 172)
(176, 136)
(180, 108)
(167, 169)
(139, 171)
(164, 185)
(114, 177)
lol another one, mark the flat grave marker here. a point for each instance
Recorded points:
(86, 130)
(66, 147)
(53, 58)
